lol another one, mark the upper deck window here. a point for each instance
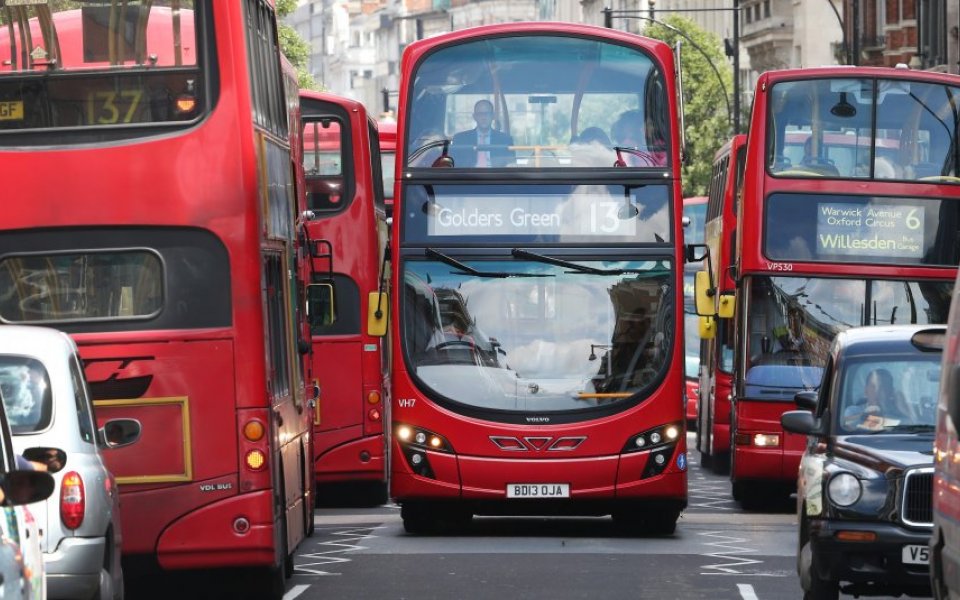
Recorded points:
(538, 102)
(98, 63)
(865, 129)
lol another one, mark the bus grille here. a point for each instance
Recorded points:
(917, 506)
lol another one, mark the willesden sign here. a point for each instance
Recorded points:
(887, 230)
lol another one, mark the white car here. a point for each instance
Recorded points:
(21, 562)
(48, 404)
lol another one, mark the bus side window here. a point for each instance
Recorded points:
(321, 310)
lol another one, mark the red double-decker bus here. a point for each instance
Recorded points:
(694, 217)
(148, 148)
(716, 349)
(538, 261)
(861, 230)
(348, 235)
(388, 159)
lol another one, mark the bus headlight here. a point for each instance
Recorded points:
(664, 435)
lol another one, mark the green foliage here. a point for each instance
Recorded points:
(708, 123)
(285, 7)
(297, 51)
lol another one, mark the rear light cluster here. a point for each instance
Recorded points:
(416, 443)
(660, 442)
(253, 449)
(73, 500)
(373, 399)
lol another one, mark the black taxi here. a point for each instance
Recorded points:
(864, 489)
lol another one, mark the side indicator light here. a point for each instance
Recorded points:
(253, 431)
(373, 397)
(856, 536)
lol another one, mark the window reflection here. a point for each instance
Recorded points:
(826, 128)
(558, 341)
(792, 320)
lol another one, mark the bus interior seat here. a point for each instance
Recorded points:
(821, 166)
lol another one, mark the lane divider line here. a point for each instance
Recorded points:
(746, 591)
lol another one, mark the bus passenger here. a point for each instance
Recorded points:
(482, 146)
(591, 148)
(629, 131)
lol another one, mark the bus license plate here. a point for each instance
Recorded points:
(915, 554)
(538, 490)
(11, 111)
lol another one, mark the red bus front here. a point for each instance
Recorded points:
(347, 232)
(537, 282)
(154, 223)
(848, 218)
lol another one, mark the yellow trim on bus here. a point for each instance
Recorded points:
(184, 403)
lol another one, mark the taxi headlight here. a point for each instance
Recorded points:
(844, 489)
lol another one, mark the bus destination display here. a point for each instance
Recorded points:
(499, 215)
(885, 230)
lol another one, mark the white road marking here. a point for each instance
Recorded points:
(308, 563)
(729, 551)
(295, 591)
(746, 591)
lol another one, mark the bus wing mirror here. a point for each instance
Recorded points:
(726, 304)
(806, 400)
(117, 433)
(320, 309)
(703, 292)
(694, 253)
(707, 328)
(377, 312)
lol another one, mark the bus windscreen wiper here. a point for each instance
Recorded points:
(456, 264)
(559, 262)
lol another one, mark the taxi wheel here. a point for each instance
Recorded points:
(815, 588)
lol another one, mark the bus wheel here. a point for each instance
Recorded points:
(266, 583)
(418, 519)
(636, 522)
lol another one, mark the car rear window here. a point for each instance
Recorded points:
(27, 398)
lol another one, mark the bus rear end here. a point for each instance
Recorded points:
(348, 231)
(139, 236)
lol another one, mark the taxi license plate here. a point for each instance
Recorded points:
(915, 554)
(538, 490)
(11, 110)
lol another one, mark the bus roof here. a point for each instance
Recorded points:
(851, 72)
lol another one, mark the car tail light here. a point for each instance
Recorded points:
(72, 500)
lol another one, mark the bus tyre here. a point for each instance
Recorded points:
(815, 588)
(637, 522)
(417, 519)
